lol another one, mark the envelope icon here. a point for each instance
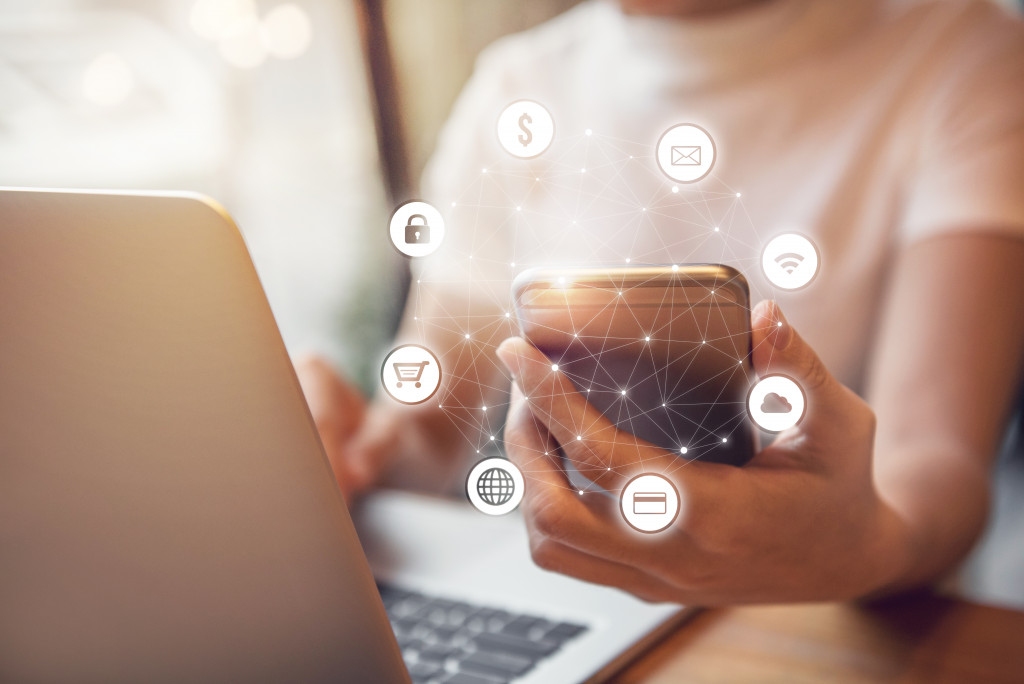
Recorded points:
(686, 155)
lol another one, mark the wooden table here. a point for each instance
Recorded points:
(921, 638)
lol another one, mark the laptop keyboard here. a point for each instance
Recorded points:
(453, 642)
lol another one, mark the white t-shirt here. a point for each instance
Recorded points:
(865, 125)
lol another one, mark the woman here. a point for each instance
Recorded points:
(891, 132)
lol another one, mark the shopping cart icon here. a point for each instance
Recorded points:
(409, 372)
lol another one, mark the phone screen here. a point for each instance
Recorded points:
(663, 353)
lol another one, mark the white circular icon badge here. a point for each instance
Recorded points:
(649, 503)
(790, 261)
(495, 486)
(410, 374)
(776, 403)
(525, 129)
(686, 153)
(416, 228)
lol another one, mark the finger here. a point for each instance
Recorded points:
(779, 349)
(557, 557)
(527, 440)
(591, 441)
(555, 511)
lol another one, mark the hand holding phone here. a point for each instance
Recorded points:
(662, 351)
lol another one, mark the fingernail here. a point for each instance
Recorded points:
(784, 334)
(507, 354)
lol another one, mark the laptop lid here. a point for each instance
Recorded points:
(166, 509)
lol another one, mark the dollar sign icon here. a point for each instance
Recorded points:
(526, 139)
(525, 129)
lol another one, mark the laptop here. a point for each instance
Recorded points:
(166, 509)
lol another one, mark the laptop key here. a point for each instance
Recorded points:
(405, 627)
(523, 625)
(437, 654)
(422, 672)
(444, 635)
(502, 664)
(564, 631)
(506, 643)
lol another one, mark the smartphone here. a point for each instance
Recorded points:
(663, 351)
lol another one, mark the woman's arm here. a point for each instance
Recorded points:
(945, 370)
(856, 500)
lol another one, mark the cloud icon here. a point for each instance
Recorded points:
(775, 403)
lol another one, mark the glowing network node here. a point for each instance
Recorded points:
(683, 450)
(589, 132)
(579, 438)
(554, 366)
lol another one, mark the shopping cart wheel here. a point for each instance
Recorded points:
(418, 384)
(398, 384)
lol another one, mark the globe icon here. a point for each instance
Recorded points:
(495, 486)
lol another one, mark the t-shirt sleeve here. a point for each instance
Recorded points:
(455, 180)
(971, 158)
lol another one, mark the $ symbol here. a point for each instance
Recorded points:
(524, 119)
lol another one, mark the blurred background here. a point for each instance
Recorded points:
(308, 120)
(270, 107)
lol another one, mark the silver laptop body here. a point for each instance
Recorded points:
(166, 510)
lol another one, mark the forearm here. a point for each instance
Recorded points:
(939, 502)
(426, 446)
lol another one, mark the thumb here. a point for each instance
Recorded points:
(778, 348)
(833, 414)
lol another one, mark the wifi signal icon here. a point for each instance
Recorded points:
(790, 261)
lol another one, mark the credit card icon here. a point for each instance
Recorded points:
(649, 503)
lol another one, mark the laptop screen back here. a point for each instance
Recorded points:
(166, 511)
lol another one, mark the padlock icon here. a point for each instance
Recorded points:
(417, 232)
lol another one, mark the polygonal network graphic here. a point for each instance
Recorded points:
(586, 199)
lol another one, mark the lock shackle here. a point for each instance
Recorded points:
(421, 217)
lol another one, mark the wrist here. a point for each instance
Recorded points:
(892, 551)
